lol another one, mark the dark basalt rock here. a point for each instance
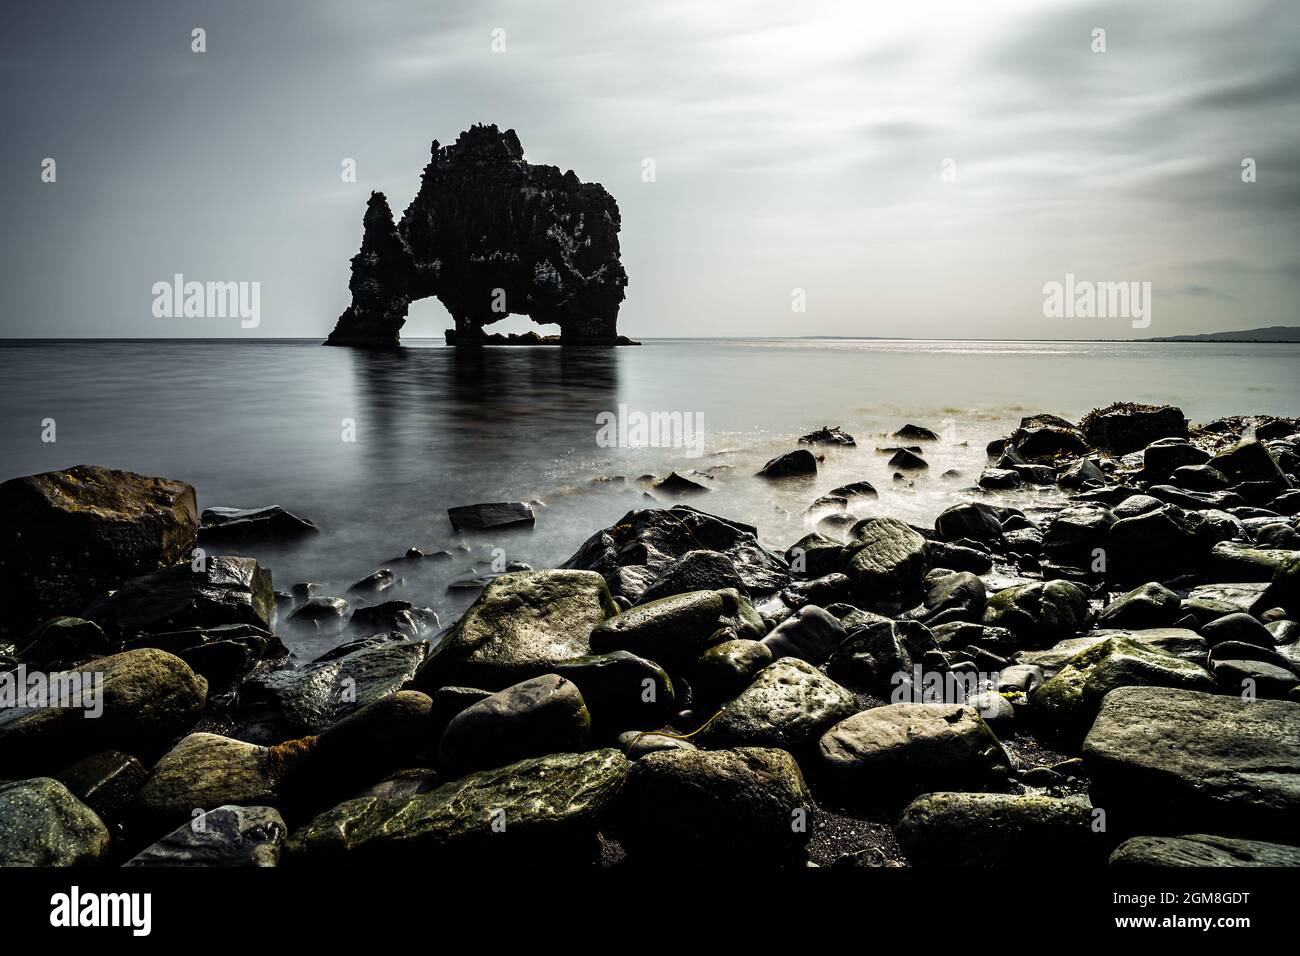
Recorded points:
(495, 516)
(911, 432)
(486, 226)
(67, 536)
(247, 525)
(1126, 426)
(795, 464)
(828, 436)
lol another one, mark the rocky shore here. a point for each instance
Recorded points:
(1116, 682)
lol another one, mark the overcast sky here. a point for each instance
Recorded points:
(796, 145)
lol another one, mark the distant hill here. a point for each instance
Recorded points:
(1274, 333)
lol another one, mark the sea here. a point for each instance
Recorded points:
(375, 446)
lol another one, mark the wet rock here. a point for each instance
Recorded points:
(953, 596)
(1253, 677)
(496, 516)
(398, 616)
(1161, 457)
(961, 558)
(45, 825)
(1165, 760)
(888, 560)
(1047, 436)
(892, 753)
(1158, 545)
(815, 555)
(810, 634)
(882, 656)
(519, 627)
(799, 463)
(1076, 536)
(1237, 627)
(1235, 561)
(1199, 478)
(310, 699)
(223, 654)
(227, 836)
(694, 571)
(1284, 590)
(106, 782)
(531, 719)
(1180, 642)
(635, 551)
(447, 702)
(1209, 602)
(911, 432)
(789, 705)
(544, 808)
(1196, 500)
(636, 744)
(326, 614)
(971, 519)
(63, 642)
(1151, 605)
(724, 670)
(828, 436)
(1067, 704)
(855, 489)
(748, 805)
(145, 698)
(386, 735)
(907, 460)
(676, 484)
(71, 535)
(1201, 850)
(1083, 474)
(998, 829)
(374, 583)
(1136, 505)
(205, 771)
(999, 479)
(222, 526)
(1251, 462)
(674, 630)
(226, 591)
(832, 588)
(621, 690)
(1127, 427)
(1041, 613)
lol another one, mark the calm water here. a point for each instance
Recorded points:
(251, 424)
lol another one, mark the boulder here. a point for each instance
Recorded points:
(1235, 561)
(827, 435)
(814, 555)
(674, 630)
(1180, 642)
(698, 570)
(542, 810)
(1067, 704)
(998, 829)
(497, 516)
(745, 806)
(1041, 613)
(724, 670)
(621, 690)
(888, 560)
(1254, 678)
(881, 657)
(71, 535)
(519, 627)
(953, 596)
(106, 782)
(810, 634)
(144, 699)
(1083, 474)
(1167, 760)
(227, 836)
(908, 460)
(1151, 605)
(1163, 456)
(45, 825)
(536, 717)
(1251, 462)
(225, 591)
(1236, 627)
(635, 551)
(890, 754)
(1047, 436)
(635, 744)
(1127, 427)
(1201, 850)
(800, 463)
(1199, 478)
(395, 616)
(205, 771)
(310, 699)
(63, 642)
(910, 432)
(972, 519)
(223, 526)
(1156, 545)
(789, 705)
(1077, 536)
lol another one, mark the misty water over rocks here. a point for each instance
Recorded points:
(258, 423)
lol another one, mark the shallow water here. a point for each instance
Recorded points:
(255, 423)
